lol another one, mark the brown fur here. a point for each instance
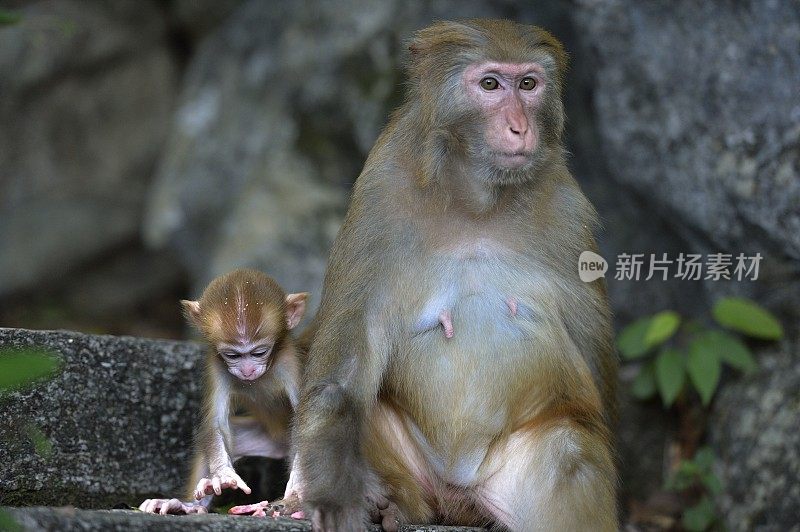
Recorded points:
(264, 307)
(245, 303)
(430, 215)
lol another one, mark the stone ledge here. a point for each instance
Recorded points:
(119, 415)
(68, 519)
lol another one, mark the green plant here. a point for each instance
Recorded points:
(7, 18)
(20, 368)
(8, 523)
(697, 475)
(682, 362)
(696, 356)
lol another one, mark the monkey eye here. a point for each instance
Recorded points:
(489, 83)
(527, 84)
(231, 354)
(260, 352)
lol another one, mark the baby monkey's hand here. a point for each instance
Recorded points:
(223, 478)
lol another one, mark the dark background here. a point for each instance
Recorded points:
(147, 146)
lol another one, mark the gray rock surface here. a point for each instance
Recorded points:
(198, 17)
(697, 108)
(697, 111)
(756, 432)
(88, 89)
(119, 415)
(69, 519)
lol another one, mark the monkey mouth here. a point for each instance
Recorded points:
(512, 159)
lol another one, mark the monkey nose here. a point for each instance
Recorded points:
(519, 135)
(519, 129)
(519, 139)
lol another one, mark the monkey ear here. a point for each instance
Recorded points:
(295, 308)
(191, 309)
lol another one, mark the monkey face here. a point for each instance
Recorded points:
(246, 361)
(506, 97)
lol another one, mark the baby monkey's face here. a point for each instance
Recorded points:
(244, 314)
(248, 359)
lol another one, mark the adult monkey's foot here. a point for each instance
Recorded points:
(290, 507)
(385, 513)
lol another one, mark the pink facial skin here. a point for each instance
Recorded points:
(511, 133)
(246, 361)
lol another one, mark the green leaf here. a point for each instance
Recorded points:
(644, 385)
(704, 367)
(646, 333)
(685, 476)
(712, 483)
(731, 350)
(693, 327)
(19, 367)
(670, 374)
(662, 326)
(631, 339)
(700, 516)
(704, 458)
(8, 18)
(688, 469)
(8, 523)
(747, 317)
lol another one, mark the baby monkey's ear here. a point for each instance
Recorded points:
(295, 308)
(191, 309)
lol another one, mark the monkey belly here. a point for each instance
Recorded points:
(456, 390)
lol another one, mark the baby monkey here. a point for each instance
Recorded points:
(253, 363)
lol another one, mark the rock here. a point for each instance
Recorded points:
(279, 108)
(198, 17)
(87, 94)
(641, 436)
(119, 415)
(697, 108)
(755, 432)
(68, 519)
(126, 280)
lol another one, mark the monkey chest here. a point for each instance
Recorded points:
(475, 297)
(472, 317)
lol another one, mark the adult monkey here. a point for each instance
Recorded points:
(460, 369)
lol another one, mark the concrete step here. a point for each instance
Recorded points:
(119, 416)
(70, 519)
